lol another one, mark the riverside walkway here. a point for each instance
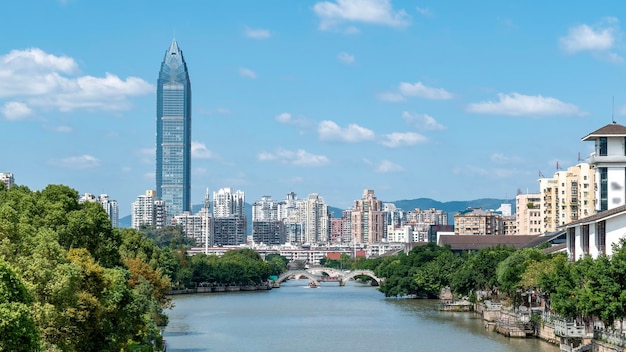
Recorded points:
(322, 274)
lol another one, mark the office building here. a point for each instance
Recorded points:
(173, 133)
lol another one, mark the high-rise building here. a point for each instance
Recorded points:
(7, 179)
(567, 196)
(173, 133)
(367, 219)
(110, 206)
(227, 203)
(148, 211)
(528, 214)
(316, 219)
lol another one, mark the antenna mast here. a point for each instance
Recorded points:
(613, 109)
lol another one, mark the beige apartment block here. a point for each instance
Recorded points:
(476, 221)
(367, 219)
(528, 216)
(568, 196)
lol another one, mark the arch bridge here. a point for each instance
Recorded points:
(315, 275)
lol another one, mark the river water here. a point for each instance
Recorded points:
(355, 317)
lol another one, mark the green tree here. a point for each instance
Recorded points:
(18, 331)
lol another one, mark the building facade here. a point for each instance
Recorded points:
(567, 196)
(227, 203)
(110, 206)
(7, 178)
(173, 133)
(316, 219)
(147, 210)
(368, 219)
(476, 221)
(596, 234)
(528, 214)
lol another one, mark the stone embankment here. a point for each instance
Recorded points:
(221, 288)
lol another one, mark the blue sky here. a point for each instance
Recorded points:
(450, 100)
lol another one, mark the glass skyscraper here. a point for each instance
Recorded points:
(173, 133)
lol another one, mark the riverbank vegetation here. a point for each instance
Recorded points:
(70, 282)
(584, 290)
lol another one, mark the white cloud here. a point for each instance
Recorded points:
(387, 166)
(329, 130)
(414, 90)
(423, 11)
(257, 33)
(422, 121)
(516, 104)
(246, 72)
(501, 158)
(398, 139)
(299, 157)
(299, 121)
(43, 80)
(420, 90)
(285, 117)
(391, 97)
(84, 161)
(599, 39)
(379, 12)
(200, 151)
(622, 111)
(15, 110)
(345, 58)
(63, 129)
(583, 37)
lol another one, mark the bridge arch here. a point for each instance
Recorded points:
(325, 270)
(296, 273)
(354, 273)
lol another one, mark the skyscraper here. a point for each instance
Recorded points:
(173, 133)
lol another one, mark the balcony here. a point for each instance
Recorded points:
(607, 159)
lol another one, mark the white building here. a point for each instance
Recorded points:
(595, 235)
(400, 234)
(146, 210)
(7, 179)
(110, 206)
(227, 203)
(316, 219)
(265, 209)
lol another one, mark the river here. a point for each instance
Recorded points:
(355, 317)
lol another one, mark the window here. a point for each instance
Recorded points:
(571, 242)
(585, 239)
(604, 189)
(601, 146)
(601, 236)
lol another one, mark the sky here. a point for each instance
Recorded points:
(449, 100)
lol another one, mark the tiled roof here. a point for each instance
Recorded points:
(612, 129)
(598, 216)
(556, 248)
(477, 242)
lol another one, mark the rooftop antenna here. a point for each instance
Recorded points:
(613, 109)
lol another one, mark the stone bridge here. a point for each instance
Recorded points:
(315, 275)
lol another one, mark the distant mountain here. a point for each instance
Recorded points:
(451, 208)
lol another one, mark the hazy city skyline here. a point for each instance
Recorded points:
(452, 101)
